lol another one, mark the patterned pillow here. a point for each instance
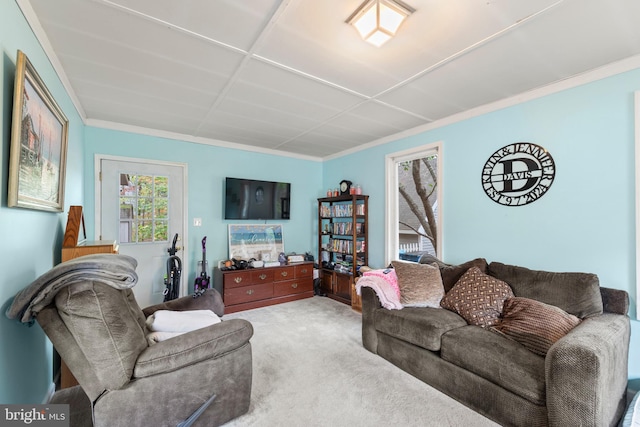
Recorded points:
(452, 273)
(420, 284)
(478, 298)
(534, 324)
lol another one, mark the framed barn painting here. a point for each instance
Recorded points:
(37, 162)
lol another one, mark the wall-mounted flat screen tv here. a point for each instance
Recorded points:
(256, 200)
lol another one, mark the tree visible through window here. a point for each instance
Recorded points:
(417, 230)
(144, 201)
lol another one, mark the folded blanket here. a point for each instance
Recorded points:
(388, 274)
(181, 321)
(386, 294)
(156, 337)
(115, 270)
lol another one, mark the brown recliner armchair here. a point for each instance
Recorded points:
(88, 310)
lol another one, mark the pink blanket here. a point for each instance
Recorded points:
(386, 294)
(388, 274)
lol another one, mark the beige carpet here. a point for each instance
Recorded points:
(310, 369)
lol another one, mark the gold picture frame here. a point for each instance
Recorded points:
(39, 133)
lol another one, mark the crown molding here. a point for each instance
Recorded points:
(103, 124)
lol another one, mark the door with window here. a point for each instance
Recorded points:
(142, 207)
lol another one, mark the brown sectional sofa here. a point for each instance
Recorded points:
(580, 382)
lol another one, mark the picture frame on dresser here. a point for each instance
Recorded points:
(39, 133)
(260, 241)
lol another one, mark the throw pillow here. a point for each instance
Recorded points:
(534, 324)
(420, 284)
(478, 298)
(452, 273)
(575, 293)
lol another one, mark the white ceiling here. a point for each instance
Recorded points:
(292, 76)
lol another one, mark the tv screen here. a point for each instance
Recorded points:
(254, 199)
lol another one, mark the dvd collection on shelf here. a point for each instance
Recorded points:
(340, 211)
(344, 246)
(343, 228)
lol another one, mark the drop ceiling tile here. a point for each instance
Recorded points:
(308, 149)
(266, 113)
(146, 101)
(191, 62)
(280, 101)
(256, 126)
(237, 23)
(245, 136)
(133, 115)
(379, 112)
(79, 33)
(277, 79)
(348, 136)
(90, 73)
(376, 120)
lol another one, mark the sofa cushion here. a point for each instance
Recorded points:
(452, 273)
(497, 359)
(534, 324)
(575, 293)
(421, 326)
(477, 297)
(420, 284)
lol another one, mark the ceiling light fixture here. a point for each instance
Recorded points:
(378, 20)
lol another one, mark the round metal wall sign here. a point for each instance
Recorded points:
(518, 174)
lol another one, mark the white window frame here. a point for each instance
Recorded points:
(392, 194)
(637, 167)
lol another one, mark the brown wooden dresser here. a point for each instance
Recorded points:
(259, 287)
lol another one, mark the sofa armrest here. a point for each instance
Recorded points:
(209, 300)
(586, 373)
(614, 300)
(370, 303)
(193, 347)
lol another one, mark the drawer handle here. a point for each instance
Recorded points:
(294, 285)
(237, 279)
(304, 270)
(284, 274)
(250, 292)
(262, 276)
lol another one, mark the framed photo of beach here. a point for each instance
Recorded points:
(39, 131)
(260, 241)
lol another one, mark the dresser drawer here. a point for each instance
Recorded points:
(237, 278)
(304, 270)
(238, 295)
(294, 286)
(262, 276)
(283, 273)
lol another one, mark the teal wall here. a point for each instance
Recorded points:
(585, 222)
(207, 168)
(31, 239)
